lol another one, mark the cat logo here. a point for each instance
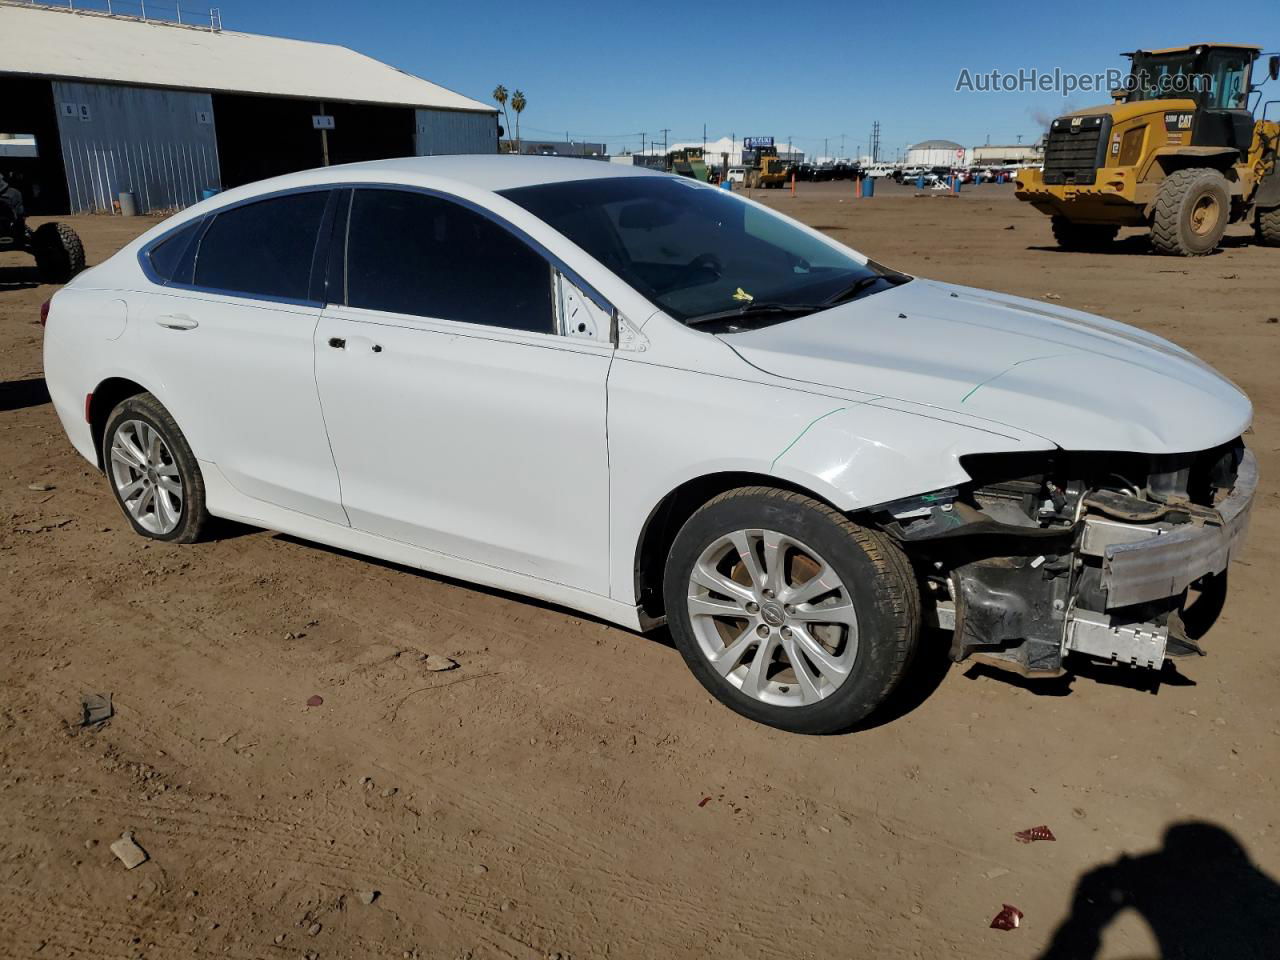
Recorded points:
(1178, 121)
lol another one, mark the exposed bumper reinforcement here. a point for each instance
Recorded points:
(1137, 644)
(1166, 562)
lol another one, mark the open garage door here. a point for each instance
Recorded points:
(261, 137)
(31, 153)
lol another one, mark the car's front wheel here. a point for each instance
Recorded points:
(153, 473)
(788, 612)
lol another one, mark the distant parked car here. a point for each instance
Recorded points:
(737, 174)
(652, 400)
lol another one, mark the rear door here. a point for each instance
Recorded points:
(230, 331)
(460, 417)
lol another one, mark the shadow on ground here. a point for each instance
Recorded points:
(18, 278)
(1200, 893)
(20, 394)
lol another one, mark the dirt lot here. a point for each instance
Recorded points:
(547, 796)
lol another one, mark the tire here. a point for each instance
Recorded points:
(58, 251)
(1082, 236)
(1267, 227)
(1192, 210)
(132, 463)
(867, 625)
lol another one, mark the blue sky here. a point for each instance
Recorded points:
(607, 71)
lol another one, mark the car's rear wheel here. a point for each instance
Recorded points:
(788, 612)
(153, 473)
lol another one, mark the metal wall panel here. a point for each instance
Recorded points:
(455, 131)
(159, 144)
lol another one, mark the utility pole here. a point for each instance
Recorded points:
(665, 131)
(704, 136)
(842, 155)
(875, 142)
(1019, 138)
(824, 148)
(642, 143)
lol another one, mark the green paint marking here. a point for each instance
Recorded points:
(801, 434)
(983, 383)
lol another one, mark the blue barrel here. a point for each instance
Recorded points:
(956, 184)
(869, 187)
(726, 185)
(920, 182)
(208, 192)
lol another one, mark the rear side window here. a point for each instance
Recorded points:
(172, 258)
(264, 248)
(423, 255)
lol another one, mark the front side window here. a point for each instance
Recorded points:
(264, 248)
(419, 254)
(698, 252)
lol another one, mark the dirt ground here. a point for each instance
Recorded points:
(569, 789)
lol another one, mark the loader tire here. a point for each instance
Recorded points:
(1267, 227)
(1082, 236)
(1192, 210)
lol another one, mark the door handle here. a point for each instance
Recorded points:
(338, 343)
(177, 321)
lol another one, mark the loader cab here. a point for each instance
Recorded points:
(1216, 77)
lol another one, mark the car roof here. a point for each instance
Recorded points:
(491, 172)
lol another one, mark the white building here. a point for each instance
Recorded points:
(936, 153)
(1016, 154)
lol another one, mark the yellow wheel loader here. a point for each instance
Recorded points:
(1180, 151)
(767, 169)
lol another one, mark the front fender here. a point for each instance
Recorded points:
(668, 426)
(865, 454)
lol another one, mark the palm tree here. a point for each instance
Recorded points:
(518, 103)
(500, 94)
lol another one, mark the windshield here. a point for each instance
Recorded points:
(1161, 76)
(1217, 80)
(699, 252)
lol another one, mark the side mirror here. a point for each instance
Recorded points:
(1273, 67)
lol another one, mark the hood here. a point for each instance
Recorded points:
(1080, 381)
(1120, 112)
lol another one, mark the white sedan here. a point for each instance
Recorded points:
(654, 401)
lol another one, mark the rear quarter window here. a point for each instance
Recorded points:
(173, 257)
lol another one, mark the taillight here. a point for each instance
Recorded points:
(44, 312)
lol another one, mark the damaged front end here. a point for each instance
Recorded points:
(1097, 554)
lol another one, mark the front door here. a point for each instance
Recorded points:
(461, 420)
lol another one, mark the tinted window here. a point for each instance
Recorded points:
(418, 254)
(262, 248)
(173, 256)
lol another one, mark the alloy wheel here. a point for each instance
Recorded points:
(146, 477)
(772, 617)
